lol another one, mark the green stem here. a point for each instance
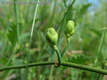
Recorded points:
(100, 76)
(59, 56)
(99, 48)
(33, 24)
(66, 64)
(16, 17)
(31, 35)
(51, 72)
(27, 62)
(98, 54)
(65, 48)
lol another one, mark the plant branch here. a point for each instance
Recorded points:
(66, 64)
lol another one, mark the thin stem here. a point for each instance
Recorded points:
(16, 15)
(66, 47)
(59, 56)
(100, 76)
(99, 48)
(33, 24)
(98, 54)
(66, 64)
(32, 30)
(51, 72)
(31, 35)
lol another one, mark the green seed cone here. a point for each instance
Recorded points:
(52, 36)
(69, 29)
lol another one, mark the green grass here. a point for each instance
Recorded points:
(23, 41)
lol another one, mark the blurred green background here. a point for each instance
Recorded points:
(88, 43)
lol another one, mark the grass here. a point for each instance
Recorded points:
(23, 43)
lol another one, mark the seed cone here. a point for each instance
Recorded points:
(69, 29)
(52, 36)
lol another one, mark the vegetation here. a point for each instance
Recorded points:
(53, 40)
